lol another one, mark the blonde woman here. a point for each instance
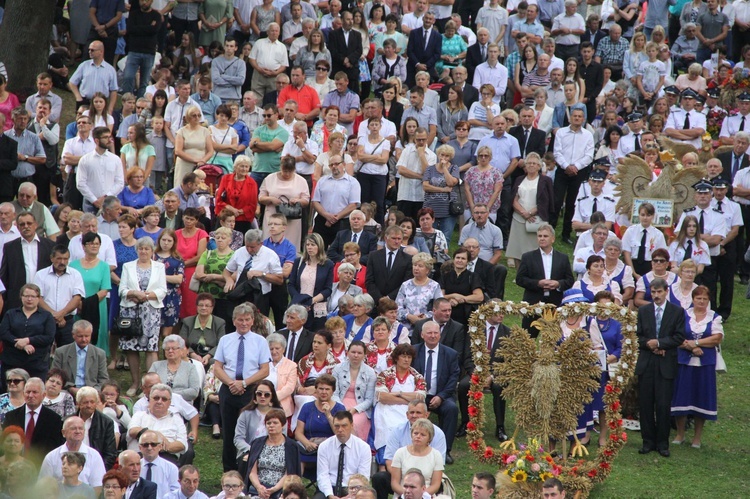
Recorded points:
(311, 280)
(193, 146)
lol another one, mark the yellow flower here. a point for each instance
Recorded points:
(520, 463)
(519, 476)
(544, 476)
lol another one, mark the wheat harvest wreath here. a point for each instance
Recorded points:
(547, 384)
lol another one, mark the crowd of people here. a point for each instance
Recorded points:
(270, 192)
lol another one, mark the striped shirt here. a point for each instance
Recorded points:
(534, 79)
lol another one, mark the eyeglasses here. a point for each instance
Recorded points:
(14, 381)
(158, 398)
(659, 260)
(321, 69)
(111, 487)
(231, 486)
(267, 115)
(150, 444)
(30, 296)
(483, 155)
(336, 163)
(171, 349)
(262, 394)
(93, 243)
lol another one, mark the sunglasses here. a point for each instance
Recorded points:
(160, 399)
(14, 381)
(659, 260)
(267, 115)
(150, 444)
(262, 394)
(321, 69)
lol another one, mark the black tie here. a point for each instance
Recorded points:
(484, 53)
(637, 142)
(688, 250)
(742, 124)
(426, 38)
(686, 126)
(642, 249)
(700, 222)
(340, 471)
(148, 471)
(354, 237)
(525, 140)
(593, 207)
(390, 260)
(428, 370)
(292, 341)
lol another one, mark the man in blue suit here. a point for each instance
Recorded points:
(423, 49)
(440, 367)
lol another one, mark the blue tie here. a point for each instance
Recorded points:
(248, 264)
(240, 358)
(428, 370)
(658, 321)
(148, 471)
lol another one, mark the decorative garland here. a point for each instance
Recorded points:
(580, 475)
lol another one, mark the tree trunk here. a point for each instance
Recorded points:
(24, 42)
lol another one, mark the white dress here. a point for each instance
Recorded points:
(388, 417)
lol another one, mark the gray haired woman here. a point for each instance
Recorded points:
(178, 374)
(344, 286)
(619, 274)
(282, 372)
(15, 381)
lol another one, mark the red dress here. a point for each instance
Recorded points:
(188, 248)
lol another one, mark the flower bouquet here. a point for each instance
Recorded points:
(527, 468)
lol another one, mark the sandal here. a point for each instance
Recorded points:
(120, 364)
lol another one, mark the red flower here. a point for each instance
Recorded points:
(478, 395)
(592, 473)
(473, 411)
(614, 437)
(574, 470)
(624, 437)
(549, 459)
(475, 379)
(471, 426)
(612, 425)
(609, 389)
(488, 452)
(474, 445)
(530, 458)
(615, 405)
(608, 453)
(604, 465)
(504, 457)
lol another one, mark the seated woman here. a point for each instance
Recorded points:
(394, 389)
(272, 459)
(282, 372)
(659, 265)
(681, 291)
(250, 422)
(594, 280)
(315, 420)
(202, 332)
(620, 275)
(150, 216)
(412, 243)
(357, 397)
(72, 486)
(379, 351)
(415, 295)
(352, 255)
(436, 242)
(211, 413)
(57, 398)
(421, 456)
(345, 272)
(113, 406)
(229, 220)
(337, 327)
(178, 374)
(136, 195)
(461, 286)
(359, 321)
(318, 362)
(388, 309)
(15, 380)
(695, 386)
(13, 439)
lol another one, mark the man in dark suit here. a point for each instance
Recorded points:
(477, 53)
(492, 287)
(101, 431)
(530, 139)
(171, 217)
(389, 267)
(440, 366)
(423, 49)
(298, 339)
(94, 367)
(593, 34)
(15, 270)
(130, 464)
(661, 329)
(43, 427)
(345, 45)
(470, 94)
(544, 273)
(733, 161)
(368, 242)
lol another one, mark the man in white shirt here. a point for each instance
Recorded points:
(464, 31)
(599, 232)
(304, 150)
(99, 172)
(250, 113)
(289, 113)
(62, 290)
(592, 202)
(686, 125)
(414, 161)
(574, 151)
(492, 72)
(74, 432)
(268, 58)
(44, 87)
(632, 141)
(357, 457)
(8, 230)
(258, 261)
(413, 20)
(155, 468)
(171, 427)
(72, 152)
(335, 197)
(374, 109)
(108, 216)
(190, 480)
(178, 405)
(567, 28)
(89, 223)
(726, 262)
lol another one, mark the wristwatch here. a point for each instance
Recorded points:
(264, 275)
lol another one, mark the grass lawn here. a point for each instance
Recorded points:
(717, 470)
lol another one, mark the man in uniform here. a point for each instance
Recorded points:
(594, 201)
(726, 262)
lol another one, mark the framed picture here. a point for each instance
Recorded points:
(664, 216)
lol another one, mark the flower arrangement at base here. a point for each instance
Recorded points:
(547, 384)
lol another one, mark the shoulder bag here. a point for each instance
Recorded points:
(292, 211)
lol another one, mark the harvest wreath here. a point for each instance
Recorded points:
(539, 401)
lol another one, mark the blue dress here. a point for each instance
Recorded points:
(124, 254)
(316, 424)
(170, 314)
(611, 331)
(586, 419)
(695, 385)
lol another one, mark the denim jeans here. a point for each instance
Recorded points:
(446, 225)
(135, 61)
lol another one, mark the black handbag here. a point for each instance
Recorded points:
(292, 211)
(456, 208)
(128, 327)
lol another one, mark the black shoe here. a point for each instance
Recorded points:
(500, 434)
(645, 450)
(448, 458)
(664, 452)
(461, 432)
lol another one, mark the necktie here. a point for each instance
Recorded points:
(658, 321)
(470, 267)
(637, 142)
(148, 471)
(30, 429)
(484, 53)
(428, 370)
(736, 165)
(594, 207)
(354, 237)
(491, 339)
(700, 222)
(426, 37)
(292, 341)
(525, 140)
(742, 124)
(642, 248)
(248, 265)
(686, 126)
(390, 260)
(718, 205)
(340, 471)
(240, 358)
(688, 250)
